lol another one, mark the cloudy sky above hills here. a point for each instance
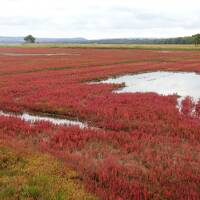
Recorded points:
(99, 18)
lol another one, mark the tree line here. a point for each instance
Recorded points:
(194, 39)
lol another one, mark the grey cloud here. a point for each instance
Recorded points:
(101, 20)
(125, 19)
(21, 21)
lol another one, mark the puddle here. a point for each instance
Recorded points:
(37, 54)
(165, 83)
(32, 118)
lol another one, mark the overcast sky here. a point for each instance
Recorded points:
(99, 18)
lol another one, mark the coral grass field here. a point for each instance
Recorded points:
(143, 147)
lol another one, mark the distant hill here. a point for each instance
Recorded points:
(15, 40)
(11, 40)
(177, 40)
(61, 40)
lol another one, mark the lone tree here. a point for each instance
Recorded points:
(196, 39)
(29, 39)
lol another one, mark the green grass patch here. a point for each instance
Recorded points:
(33, 175)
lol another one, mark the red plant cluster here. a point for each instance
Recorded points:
(145, 149)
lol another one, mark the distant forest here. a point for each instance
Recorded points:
(178, 40)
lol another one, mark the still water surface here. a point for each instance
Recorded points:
(165, 83)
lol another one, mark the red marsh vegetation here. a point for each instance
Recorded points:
(144, 147)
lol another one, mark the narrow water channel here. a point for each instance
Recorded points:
(33, 118)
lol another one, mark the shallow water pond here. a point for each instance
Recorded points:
(165, 83)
